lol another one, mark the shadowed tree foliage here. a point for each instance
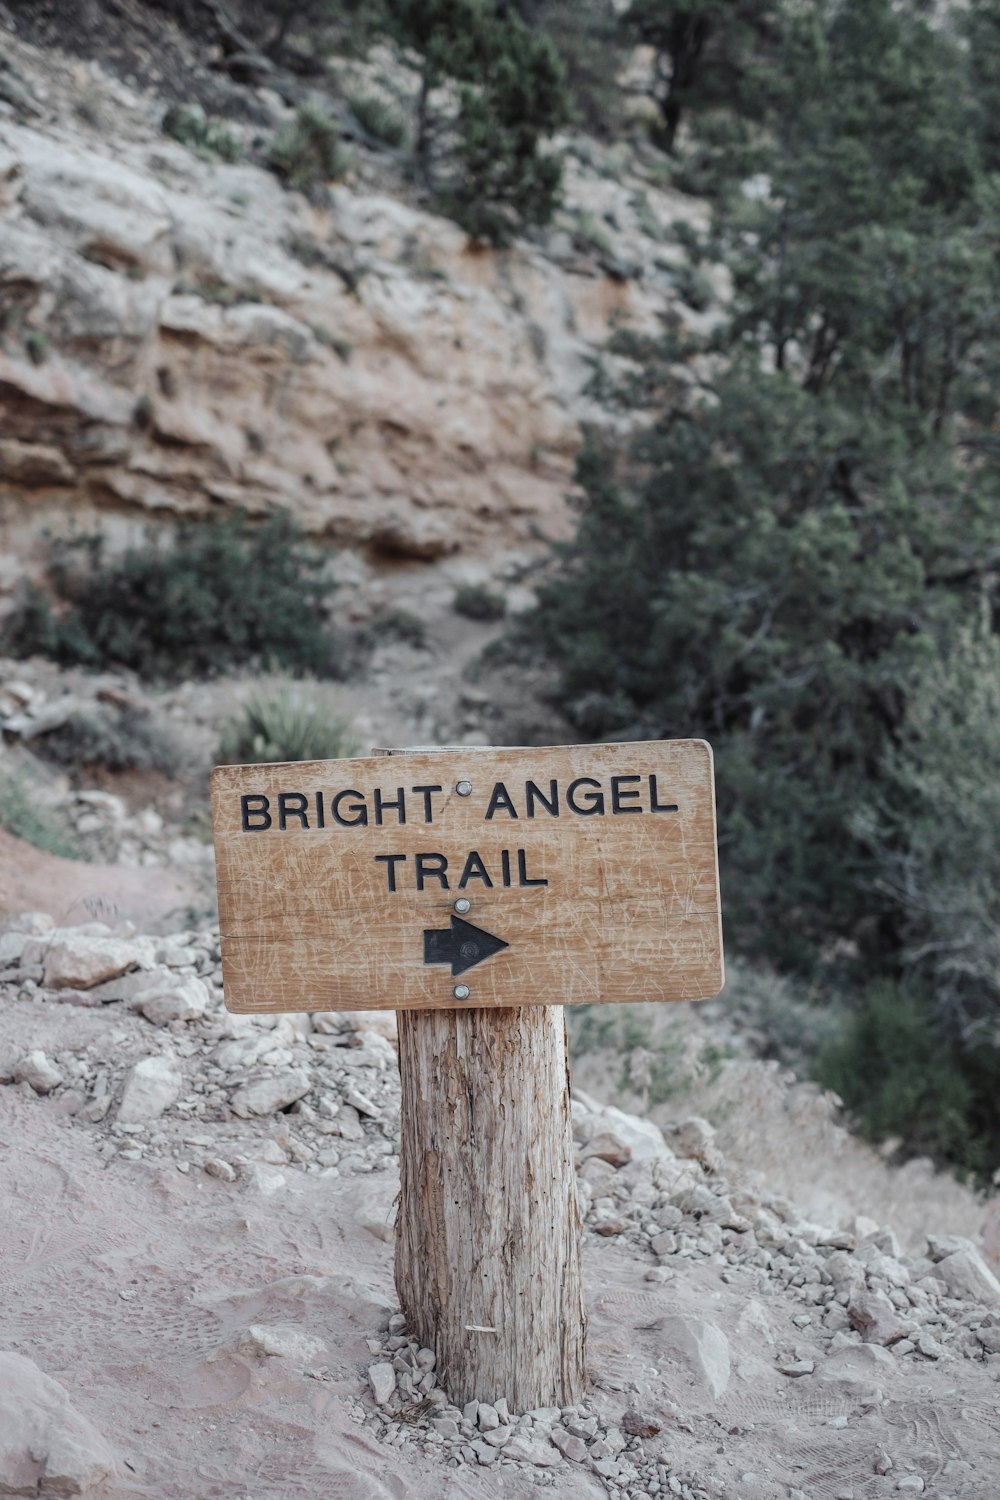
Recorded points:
(703, 53)
(805, 523)
(218, 596)
(491, 89)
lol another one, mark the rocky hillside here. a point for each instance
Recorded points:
(197, 1252)
(183, 337)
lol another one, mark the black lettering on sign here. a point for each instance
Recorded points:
(522, 871)
(390, 861)
(292, 805)
(427, 793)
(505, 866)
(399, 804)
(254, 814)
(431, 865)
(320, 813)
(594, 802)
(550, 803)
(357, 811)
(474, 870)
(500, 797)
(620, 795)
(655, 805)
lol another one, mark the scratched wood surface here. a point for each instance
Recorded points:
(488, 1261)
(628, 911)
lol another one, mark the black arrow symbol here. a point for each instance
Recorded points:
(462, 945)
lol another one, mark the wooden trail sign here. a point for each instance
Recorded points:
(477, 891)
(492, 877)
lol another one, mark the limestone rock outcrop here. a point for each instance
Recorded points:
(184, 336)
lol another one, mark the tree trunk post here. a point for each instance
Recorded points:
(488, 1233)
(488, 1257)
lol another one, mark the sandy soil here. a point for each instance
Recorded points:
(142, 1284)
(75, 890)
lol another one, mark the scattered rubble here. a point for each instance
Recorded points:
(320, 1096)
(46, 1446)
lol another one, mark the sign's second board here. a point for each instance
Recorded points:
(560, 875)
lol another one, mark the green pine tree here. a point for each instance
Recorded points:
(491, 90)
(775, 559)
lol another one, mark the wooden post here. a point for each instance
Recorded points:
(488, 1261)
(488, 1232)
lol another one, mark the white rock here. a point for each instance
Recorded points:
(609, 1147)
(545, 1415)
(857, 1373)
(699, 1345)
(571, 1447)
(361, 1102)
(216, 1167)
(875, 1318)
(242, 1052)
(532, 1450)
(694, 1138)
(37, 923)
(270, 1092)
(174, 1000)
(265, 1179)
(940, 1245)
(498, 1437)
(487, 1417)
(152, 1086)
(281, 1340)
(966, 1275)
(381, 1022)
(35, 1068)
(46, 1446)
(642, 1137)
(382, 1379)
(78, 963)
(10, 1056)
(12, 945)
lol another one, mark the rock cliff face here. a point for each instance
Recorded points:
(180, 337)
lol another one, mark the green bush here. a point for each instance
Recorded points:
(933, 832)
(307, 152)
(794, 529)
(491, 90)
(378, 119)
(118, 739)
(788, 548)
(397, 625)
(220, 595)
(903, 1074)
(211, 139)
(22, 815)
(37, 347)
(287, 724)
(477, 602)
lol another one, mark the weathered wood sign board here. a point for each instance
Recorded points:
(561, 875)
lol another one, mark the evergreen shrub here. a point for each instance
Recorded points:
(217, 596)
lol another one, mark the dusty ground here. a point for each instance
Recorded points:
(30, 880)
(217, 1330)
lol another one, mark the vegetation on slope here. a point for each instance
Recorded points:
(218, 596)
(796, 553)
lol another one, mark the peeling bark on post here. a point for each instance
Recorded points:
(488, 1233)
